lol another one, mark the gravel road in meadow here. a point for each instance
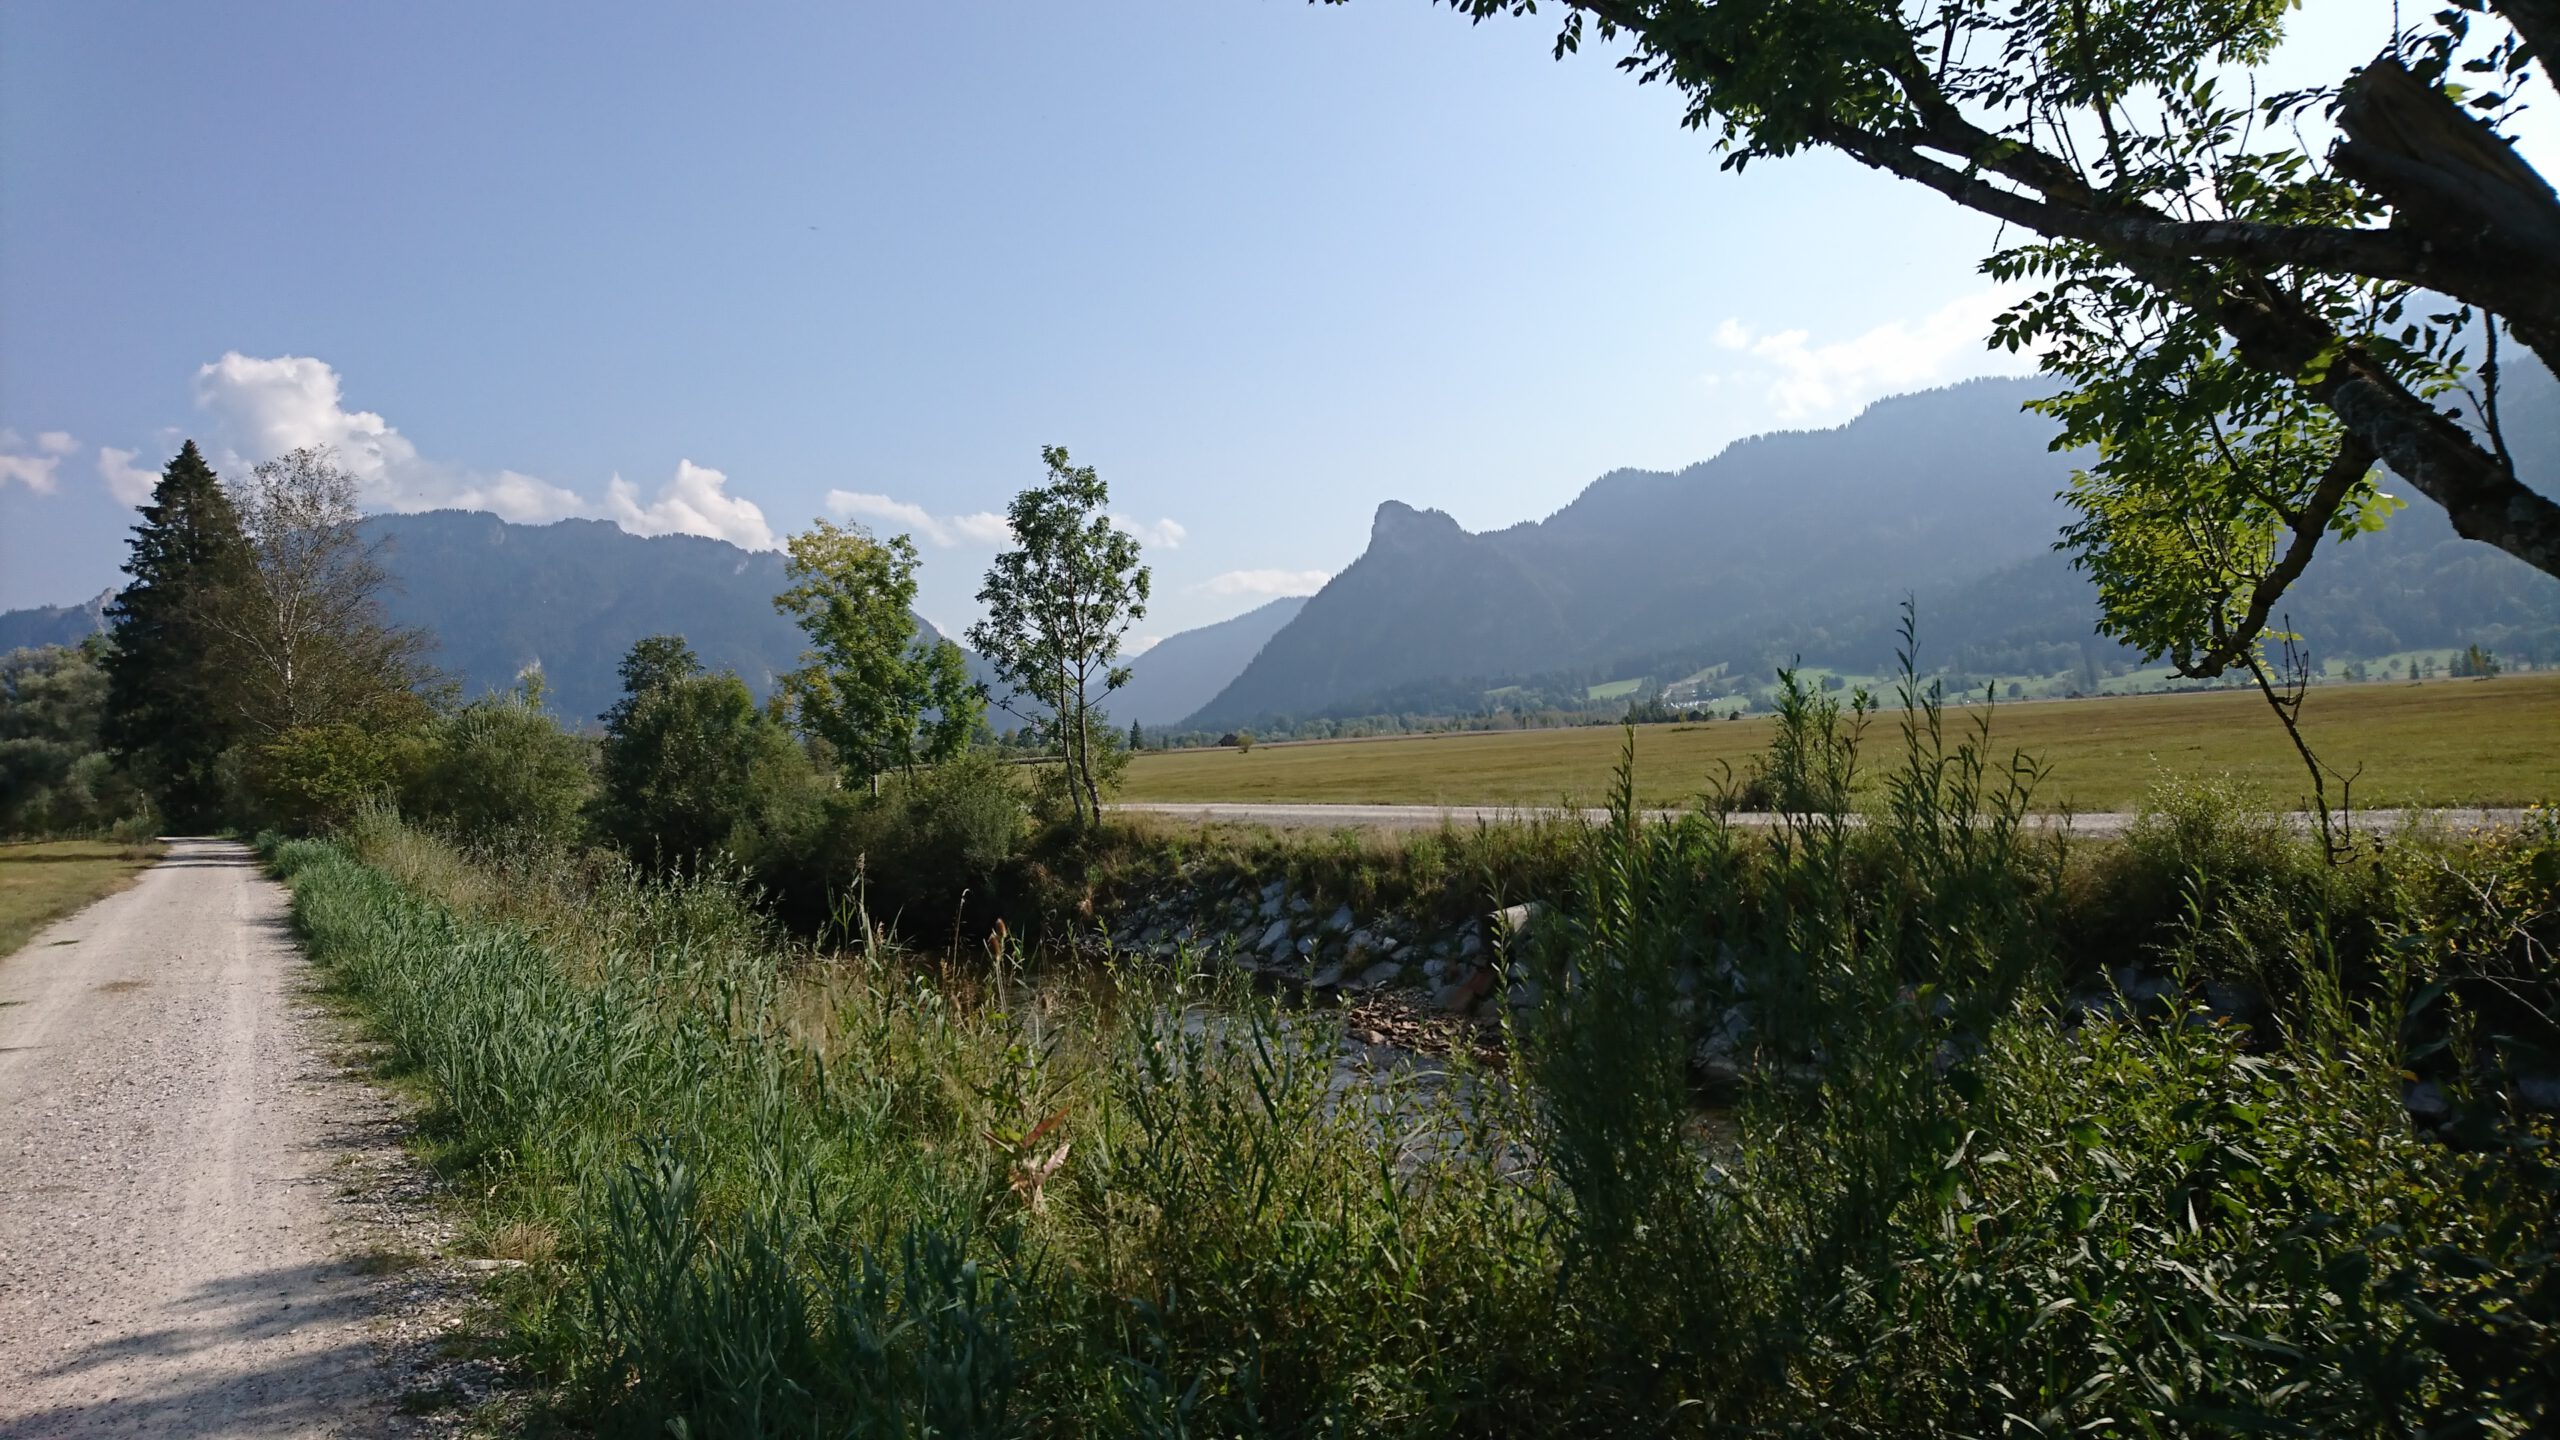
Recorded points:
(172, 1140)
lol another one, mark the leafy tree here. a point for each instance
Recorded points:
(2475, 663)
(299, 631)
(1103, 755)
(316, 777)
(503, 767)
(869, 685)
(690, 765)
(1058, 606)
(653, 662)
(2241, 316)
(163, 716)
(55, 774)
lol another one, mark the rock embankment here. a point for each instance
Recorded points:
(1291, 940)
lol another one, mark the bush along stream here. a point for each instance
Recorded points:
(2297, 1180)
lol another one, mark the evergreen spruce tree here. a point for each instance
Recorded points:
(164, 718)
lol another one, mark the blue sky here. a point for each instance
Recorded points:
(724, 269)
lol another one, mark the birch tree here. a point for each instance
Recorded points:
(299, 631)
(1058, 607)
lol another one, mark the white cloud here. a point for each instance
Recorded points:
(1137, 645)
(695, 502)
(33, 471)
(981, 527)
(1162, 535)
(131, 484)
(1806, 380)
(265, 407)
(1266, 582)
(984, 528)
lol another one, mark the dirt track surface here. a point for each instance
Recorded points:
(168, 1136)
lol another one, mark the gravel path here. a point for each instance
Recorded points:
(1432, 817)
(170, 1144)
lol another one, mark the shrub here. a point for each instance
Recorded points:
(316, 777)
(964, 818)
(55, 778)
(501, 767)
(691, 767)
(916, 850)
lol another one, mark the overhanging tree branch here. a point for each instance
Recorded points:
(2231, 646)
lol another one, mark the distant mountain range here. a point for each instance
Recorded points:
(1798, 544)
(1182, 672)
(1802, 545)
(53, 624)
(569, 599)
(1947, 485)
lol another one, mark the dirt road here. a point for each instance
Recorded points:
(168, 1135)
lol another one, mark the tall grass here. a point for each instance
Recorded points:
(770, 1191)
(932, 1209)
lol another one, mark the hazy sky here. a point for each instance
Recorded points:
(723, 269)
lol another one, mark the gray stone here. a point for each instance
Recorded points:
(1730, 1031)
(1525, 995)
(2538, 1092)
(1276, 938)
(1328, 978)
(1515, 921)
(2426, 1101)
(2234, 1002)
(1340, 920)
(2142, 987)
(1298, 905)
(1435, 969)
(1381, 975)
(1470, 945)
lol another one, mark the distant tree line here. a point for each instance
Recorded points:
(251, 679)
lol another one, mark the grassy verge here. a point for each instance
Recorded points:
(763, 1191)
(42, 881)
(2454, 742)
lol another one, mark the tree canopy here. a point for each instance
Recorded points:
(870, 685)
(1059, 604)
(690, 765)
(2252, 295)
(299, 631)
(163, 715)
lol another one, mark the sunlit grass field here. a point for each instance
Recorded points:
(42, 881)
(2442, 742)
